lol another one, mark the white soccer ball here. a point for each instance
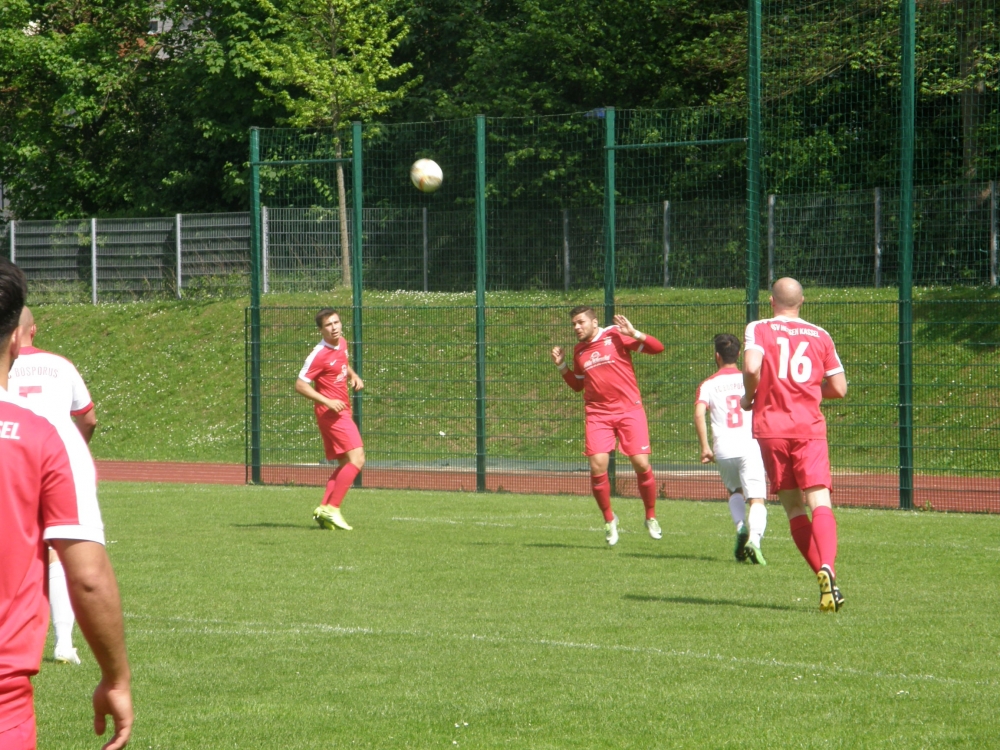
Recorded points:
(426, 175)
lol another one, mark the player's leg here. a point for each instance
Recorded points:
(342, 442)
(754, 483)
(812, 467)
(632, 431)
(729, 471)
(600, 487)
(777, 462)
(62, 612)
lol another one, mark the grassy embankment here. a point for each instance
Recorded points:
(168, 377)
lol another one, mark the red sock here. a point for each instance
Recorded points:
(647, 490)
(601, 488)
(802, 533)
(824, 531)
(340, 482)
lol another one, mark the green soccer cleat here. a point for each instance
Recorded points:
(742, 536)
(322, 516)
(653, 528)
(754, 554)
(611, 531)
(827, 585)
(338, 520)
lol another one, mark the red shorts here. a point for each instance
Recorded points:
(796, 464)
(339, 432)
(630, 429)
(21, 737)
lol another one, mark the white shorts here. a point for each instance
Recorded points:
(746, 472)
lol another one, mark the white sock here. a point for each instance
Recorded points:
(62, 610)
(737, 509)
(758, 522)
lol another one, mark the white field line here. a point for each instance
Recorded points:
(204, 626)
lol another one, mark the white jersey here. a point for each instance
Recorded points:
(732, 428)
(50, 382)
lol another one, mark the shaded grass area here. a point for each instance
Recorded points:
(465, 620)
(168, 377)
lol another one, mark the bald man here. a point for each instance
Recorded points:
(789, 367)
(54, 387)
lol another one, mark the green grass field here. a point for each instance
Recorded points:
(453, 620)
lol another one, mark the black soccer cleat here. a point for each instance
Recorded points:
(742, 537)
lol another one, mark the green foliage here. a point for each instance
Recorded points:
(450, 619)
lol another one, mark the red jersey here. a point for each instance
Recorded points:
(326, 367)
(602, 369)
(797, 357)
(44, 494)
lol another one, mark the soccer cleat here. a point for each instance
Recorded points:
(742, 535)
(838, 598)
(611, 531)
(654, 528)
(754, 554)
(322, 516)
(338, 520)
(65, 655)
(827, 585)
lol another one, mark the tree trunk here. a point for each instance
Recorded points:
(345, 240)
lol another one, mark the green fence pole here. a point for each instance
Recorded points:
(255, 264)
(906, 147)
(357, 266)
(610, 261)
(480, 303)
(753, 161)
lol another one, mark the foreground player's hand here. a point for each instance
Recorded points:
(558, 356)
(115, 701)
(357, 383)
(746, 404)
(626, 327)
(707, 456)
(335, 404)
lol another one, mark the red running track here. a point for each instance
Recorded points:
(965, 494)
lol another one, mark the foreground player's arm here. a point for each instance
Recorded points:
(305, 389)
(699, 425)
(752, 362)
(93, 591)
(645, 343)
(86, 423)
(352, 377)
(835, 386)
(568, 374)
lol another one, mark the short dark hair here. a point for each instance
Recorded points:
(13, 295)
(727, 346)
(579, 309)
(323, 314)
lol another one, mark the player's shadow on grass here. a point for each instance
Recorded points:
(266, 525)
(699, 600)
(663, 556)
(558, 545)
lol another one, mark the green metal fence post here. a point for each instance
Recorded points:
(754, 184)
(357, 266)
(610, 262)
(255, 263)
(480, 303)
(906, 148)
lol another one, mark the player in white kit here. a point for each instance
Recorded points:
(55, 389)
(734, 449)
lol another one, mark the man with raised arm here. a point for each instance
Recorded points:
(789, 367)
(55, 389)
(733, 448)
(324, 379)
(602, 369)
(48, 494)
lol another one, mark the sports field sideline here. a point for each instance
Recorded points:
(460, 620)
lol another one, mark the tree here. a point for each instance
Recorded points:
(328, 62)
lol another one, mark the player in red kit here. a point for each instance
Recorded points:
(789, 366)
(327, 367)
(48, 495)
(602, 369)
